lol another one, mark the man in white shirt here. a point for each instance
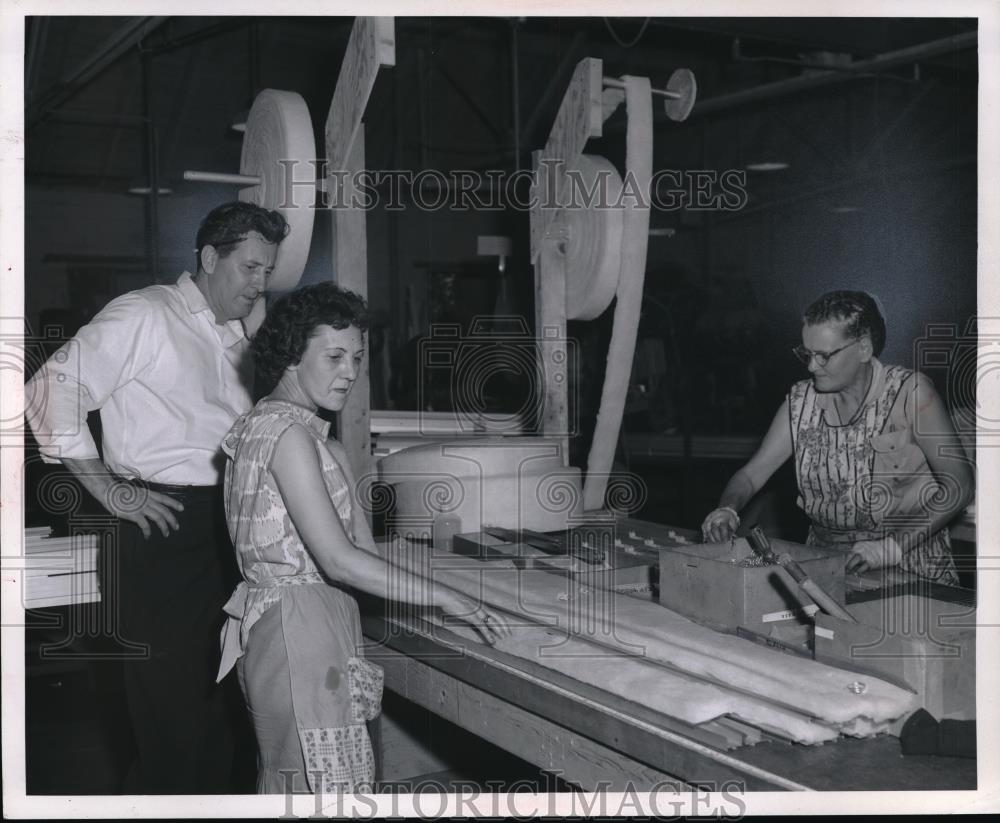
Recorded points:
(168, 367)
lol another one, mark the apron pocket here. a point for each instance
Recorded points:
(897, 454)
(366, 681)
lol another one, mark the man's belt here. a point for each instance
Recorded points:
(181, 492)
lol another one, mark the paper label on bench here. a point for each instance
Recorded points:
(821, 632)
(790, 614)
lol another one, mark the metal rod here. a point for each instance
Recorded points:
(222, 177)
(620, 84)
(515, 94)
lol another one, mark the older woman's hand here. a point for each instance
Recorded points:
(873, 554)
(720, 525)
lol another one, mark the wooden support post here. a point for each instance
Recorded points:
(372, 45)
(350, 266)
(580, 117)
(550, 330)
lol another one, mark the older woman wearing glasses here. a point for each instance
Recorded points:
(880, 469)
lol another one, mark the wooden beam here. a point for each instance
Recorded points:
(550, 331)
(350, 269)
(372, 45)
(579, 118)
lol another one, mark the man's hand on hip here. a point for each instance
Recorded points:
(127, 500)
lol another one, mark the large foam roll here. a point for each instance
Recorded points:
(280, 149)
(594, 241)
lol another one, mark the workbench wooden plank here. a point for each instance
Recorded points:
(874, 764)
(633, 731)
(575, 758)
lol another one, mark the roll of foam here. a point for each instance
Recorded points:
(594, 242)
(279, 130)
(635, 238)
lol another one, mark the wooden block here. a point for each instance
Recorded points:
(928, 643)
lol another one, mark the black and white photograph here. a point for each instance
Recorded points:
(484, 410)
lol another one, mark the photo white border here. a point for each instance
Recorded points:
(18, 805)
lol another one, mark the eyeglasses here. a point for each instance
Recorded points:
(822, 357)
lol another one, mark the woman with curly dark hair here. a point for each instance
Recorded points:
(880, 469)
(293, 632)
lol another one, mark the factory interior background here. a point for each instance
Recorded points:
(873, 186)
(867, 182)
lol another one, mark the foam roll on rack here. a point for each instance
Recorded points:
(594, 242)
(279, 143)
(278, 170)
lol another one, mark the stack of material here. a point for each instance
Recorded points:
(59, 571)
(393, 431)
(641, 650)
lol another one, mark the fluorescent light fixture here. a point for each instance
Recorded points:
(143, 188)
(767, 165)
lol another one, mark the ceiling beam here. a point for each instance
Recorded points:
(924, 51)
(107, 53)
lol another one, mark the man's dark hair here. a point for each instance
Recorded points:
(226, 225)
(856, 309)
(292, 320)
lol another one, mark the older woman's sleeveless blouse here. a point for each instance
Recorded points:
(868, 477)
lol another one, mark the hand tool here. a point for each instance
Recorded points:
(762, 546)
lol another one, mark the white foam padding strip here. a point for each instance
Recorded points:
(643, 651)
(635, 238)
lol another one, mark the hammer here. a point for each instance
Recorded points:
(760, 544)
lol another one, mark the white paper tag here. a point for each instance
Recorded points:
(790, 614)
(827, 633)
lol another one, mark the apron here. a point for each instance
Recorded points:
(868, 477)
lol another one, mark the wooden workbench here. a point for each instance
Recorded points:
(593, 739)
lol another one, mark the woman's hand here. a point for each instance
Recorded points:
(491, 624)
(720, 525)
(873, 554)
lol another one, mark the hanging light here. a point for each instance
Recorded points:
(143, 187)
(765, 152)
